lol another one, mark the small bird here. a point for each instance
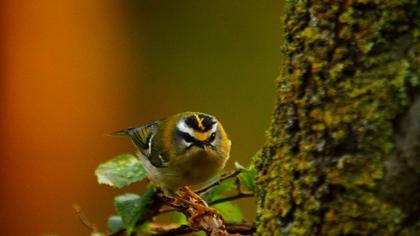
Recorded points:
(181, 150)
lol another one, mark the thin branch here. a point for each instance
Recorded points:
(240, 193)
(118, 233)
(161, 212)
(238, 184)
(183, 229)
(85, 221)
(219, 181)
(231, 198)
(243, 228)
(199, 215)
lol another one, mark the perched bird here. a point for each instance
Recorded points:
(181, 150)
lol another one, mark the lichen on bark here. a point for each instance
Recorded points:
(349, 75)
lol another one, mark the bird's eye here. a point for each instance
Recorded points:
(188, 138)
(212, 137)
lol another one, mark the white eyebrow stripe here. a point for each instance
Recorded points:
(184, 128)
(187, 144)
(150, 144)
(214, 128)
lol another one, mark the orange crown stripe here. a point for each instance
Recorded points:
(201, 136)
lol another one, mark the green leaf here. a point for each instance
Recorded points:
(127, 206)
(131, 207)
(200, 233)
(178, 218)
(145, 229)
(247, 177)
(97, 234)
(120, 171)
(230, 211)
(115, 224)
(218, 190)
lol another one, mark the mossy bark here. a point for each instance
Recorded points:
(343, 149)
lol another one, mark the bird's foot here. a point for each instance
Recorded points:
(198, 207)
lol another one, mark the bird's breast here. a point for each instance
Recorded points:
(198, 166)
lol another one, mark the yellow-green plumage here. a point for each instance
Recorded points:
(184, 149)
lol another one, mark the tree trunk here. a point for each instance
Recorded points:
(343, 149)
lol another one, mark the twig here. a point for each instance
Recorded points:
(230, 198)
(238, 184)
(199, 215)
(118, 233)
(240, 194)
(224, 177)
(183, 229)
(161, 212)
(243, 228)
(84, 219)
(219, 181)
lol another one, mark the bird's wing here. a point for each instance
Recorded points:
(143, 139)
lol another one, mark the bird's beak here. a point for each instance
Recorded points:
(202, 145)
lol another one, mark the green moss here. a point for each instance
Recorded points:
(348, 70)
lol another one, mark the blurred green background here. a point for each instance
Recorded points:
(76, 70)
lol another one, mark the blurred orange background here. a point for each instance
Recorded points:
(73, 71)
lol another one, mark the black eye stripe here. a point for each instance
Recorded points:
(192, 141)
(187, 137)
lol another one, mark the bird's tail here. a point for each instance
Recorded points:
(123, 132)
